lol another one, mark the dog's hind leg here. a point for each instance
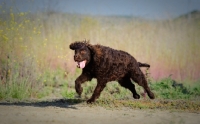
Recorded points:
(139, 78)
(126, 83)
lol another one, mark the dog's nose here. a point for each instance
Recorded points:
(75, 56)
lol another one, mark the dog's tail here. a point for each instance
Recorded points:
(143, 65)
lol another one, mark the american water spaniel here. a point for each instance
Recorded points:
(107, 64)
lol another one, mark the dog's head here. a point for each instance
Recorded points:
(82, 53)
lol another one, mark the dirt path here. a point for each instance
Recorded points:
(83, 114)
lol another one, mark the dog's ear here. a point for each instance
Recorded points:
(76, 45)
(72, 46)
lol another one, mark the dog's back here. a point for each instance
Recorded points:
(112, 64)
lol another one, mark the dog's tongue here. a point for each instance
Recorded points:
(82, 64)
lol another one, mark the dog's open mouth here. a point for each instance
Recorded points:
(81, 64)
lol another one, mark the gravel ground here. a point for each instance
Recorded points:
(60, 112)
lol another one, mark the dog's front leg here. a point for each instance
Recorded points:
(81, 79)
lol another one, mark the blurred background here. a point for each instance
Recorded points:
(35, 37)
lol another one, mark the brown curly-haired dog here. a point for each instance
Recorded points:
(107, 64)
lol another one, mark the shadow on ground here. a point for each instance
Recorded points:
(62, 103)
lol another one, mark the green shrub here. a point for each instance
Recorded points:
(16, 90)
(170, 89)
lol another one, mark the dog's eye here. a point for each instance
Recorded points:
(83, 51)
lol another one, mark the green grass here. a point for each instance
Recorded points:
(15, 90)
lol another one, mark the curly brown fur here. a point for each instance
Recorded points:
(107, 64)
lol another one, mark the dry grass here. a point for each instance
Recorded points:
(170, 47)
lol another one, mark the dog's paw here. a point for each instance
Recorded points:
(136, 96)
(90, 101)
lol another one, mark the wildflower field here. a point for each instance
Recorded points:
(36, 62)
